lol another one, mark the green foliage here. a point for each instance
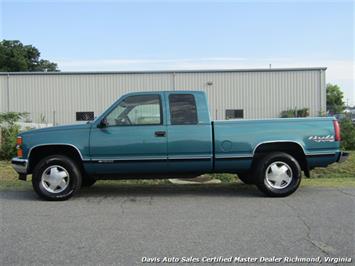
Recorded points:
(347, 134)
(10, 118)
(224, 177)
(9, 131)
(335, 104)
(15, 57)
(8, 146)
(304, 112)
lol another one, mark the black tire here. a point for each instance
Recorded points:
(88, 181)
(63, 166)
(246, 178)
(290, 174)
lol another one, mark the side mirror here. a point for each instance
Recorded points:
(103, 123)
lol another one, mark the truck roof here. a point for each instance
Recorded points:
(166, 91)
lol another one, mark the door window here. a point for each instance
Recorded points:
(137, 110)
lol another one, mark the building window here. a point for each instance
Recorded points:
(84, 116)
(183, 109)
(234, 113)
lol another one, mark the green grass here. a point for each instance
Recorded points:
(336, 170)
(10, 185)
(335, 175)
(329, 182)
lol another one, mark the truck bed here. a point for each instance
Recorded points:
(236, 141)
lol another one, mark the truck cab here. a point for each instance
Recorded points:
(153, 133)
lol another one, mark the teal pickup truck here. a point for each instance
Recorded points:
(170, 135)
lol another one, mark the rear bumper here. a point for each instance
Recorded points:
(343, 156)
(20, 165)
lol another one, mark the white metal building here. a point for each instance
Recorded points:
(245, 93)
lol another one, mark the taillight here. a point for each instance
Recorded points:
(337, 130)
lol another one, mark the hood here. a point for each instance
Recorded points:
(56, 128)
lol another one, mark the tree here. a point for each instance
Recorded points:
(15, 57)
(347, 134)
(335, 102)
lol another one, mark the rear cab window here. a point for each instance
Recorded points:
(183, 110)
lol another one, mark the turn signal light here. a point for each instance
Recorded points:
(19, 153)
(19, 147)
(19, 141)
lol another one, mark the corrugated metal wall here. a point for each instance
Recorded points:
(262, 94)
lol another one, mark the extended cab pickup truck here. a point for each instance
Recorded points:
(170, 135)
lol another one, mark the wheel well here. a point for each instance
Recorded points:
(38, 153)
(291, 148)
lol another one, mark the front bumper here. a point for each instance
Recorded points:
(20, 165)
(343, 156)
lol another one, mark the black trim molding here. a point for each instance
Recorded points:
(320, 155)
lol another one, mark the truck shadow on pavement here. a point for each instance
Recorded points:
(144, 190)
(233, 190)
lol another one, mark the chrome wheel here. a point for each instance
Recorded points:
(278, 175)
(55, 179)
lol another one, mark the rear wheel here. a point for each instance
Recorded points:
(278, 174)
(56, 177)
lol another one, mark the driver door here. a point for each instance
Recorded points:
(134, 138)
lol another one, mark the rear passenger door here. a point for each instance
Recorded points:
(189, 138)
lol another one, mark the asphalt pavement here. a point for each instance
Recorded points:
(115, 225)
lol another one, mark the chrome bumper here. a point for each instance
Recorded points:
(343, 156)
(20, 165)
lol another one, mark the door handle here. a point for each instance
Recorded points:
(160, 133)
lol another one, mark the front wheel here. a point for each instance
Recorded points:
(278, 174)
(56, 177)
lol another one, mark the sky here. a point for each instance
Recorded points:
(145, 35)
